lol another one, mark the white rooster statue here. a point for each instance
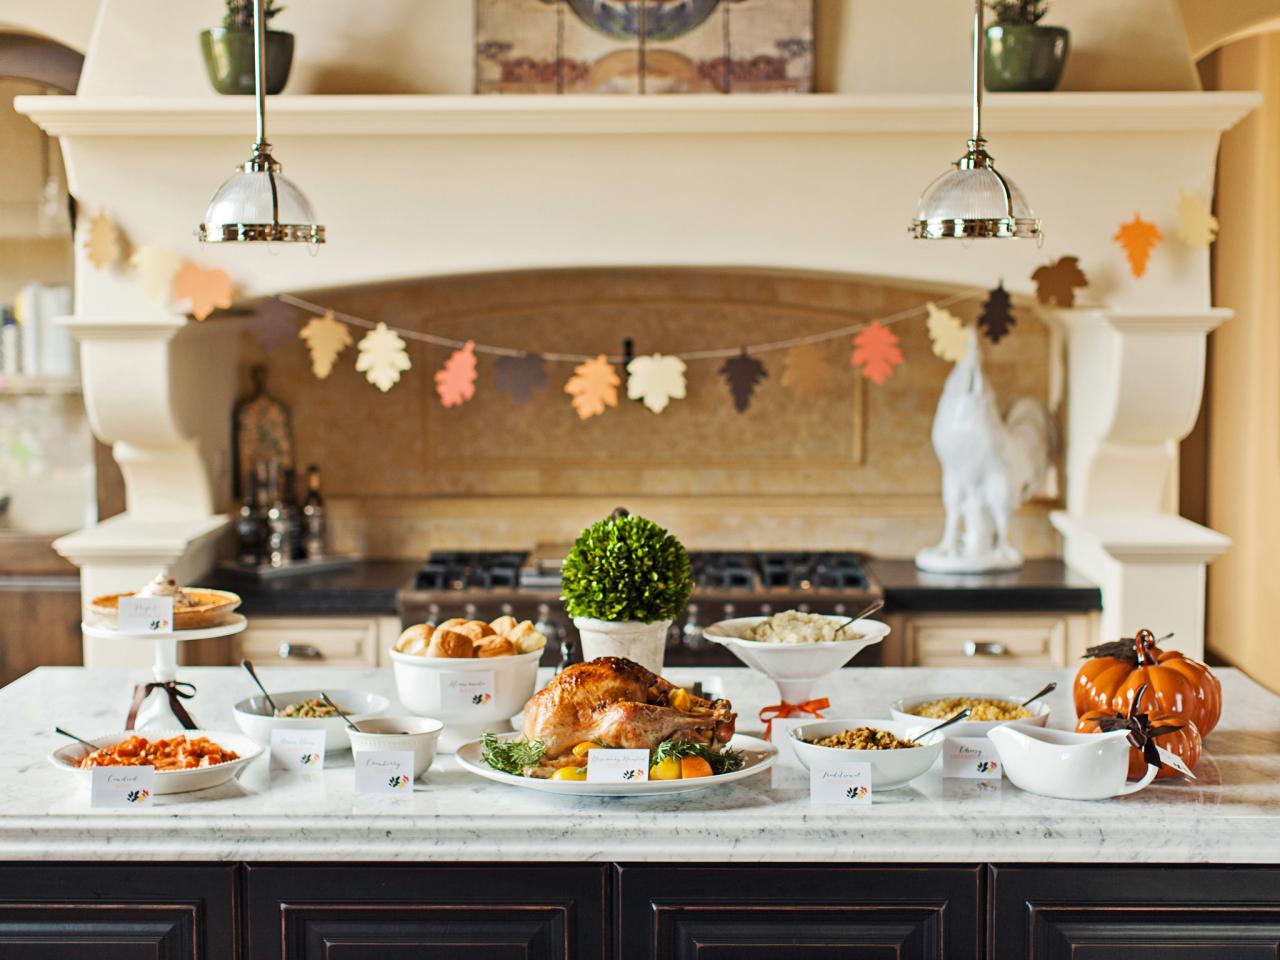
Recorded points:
(990, 467)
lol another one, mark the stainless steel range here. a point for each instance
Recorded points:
(486, 585)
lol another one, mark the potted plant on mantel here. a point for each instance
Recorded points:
(228, 50)
(624, 581)
(1021, 54)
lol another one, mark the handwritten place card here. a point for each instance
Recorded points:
(847, 784)
(122, 788)
(297, 754)
(384, 771)
(972, 758)
(146, 614)
(617, 766)
(466, 689)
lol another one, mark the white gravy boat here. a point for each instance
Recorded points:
(1070, 766)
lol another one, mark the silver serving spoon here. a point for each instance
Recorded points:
(1048, 689)
(67, 733)
(866, 611)
(962, 715)
(253, 673)
(338, 710)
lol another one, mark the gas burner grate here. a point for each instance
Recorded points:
(723, 570)
(468, 569)
(812, 571)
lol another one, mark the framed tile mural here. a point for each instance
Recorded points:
(644, 46)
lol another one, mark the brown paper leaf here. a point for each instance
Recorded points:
(593, 386)
(743, 373)
(876, 351)
(382, 357)
(456, 380)
(104, 245)
(204, 289)
(947, 334)
(1138, 237)
(656, 380)
(326, 337)
(1197, 227)
(519, 377)
(156, 267)
(806, 369)
(1056, 282)
(997, 318)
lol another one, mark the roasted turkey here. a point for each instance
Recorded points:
(618, 703)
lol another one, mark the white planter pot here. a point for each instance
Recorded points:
(644, 643)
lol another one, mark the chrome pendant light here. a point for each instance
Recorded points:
(973, 200)
(259, 203)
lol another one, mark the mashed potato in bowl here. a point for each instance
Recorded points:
(792, 626)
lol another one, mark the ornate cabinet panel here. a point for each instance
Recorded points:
(801, 913)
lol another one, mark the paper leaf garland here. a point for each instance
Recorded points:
(456, 380)
(273, 324)
(205, 289)
(593, 386)
(326, 337)
(519, 377)
(947, 333)
(1138, 237)
(382, 357)
(103, 244)
(656, 380)
(875, 350)
(742, 373)
(806, 370)
(1056, 282)
(156, 267)
(996, 318)
(1197, 227)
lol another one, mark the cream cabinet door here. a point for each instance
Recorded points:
(1005, 640)
(331, 641)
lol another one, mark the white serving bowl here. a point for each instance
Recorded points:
(795, 667)
(419, 682)
(254, 717)
(418, 734)
(168, 781)
(901, 710)
(890, 769)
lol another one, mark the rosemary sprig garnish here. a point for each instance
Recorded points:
(511, 756)
(725, 761)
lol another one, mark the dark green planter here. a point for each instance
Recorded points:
(1022, 58)
(228, 57)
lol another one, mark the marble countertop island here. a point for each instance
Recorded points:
(1230, 815)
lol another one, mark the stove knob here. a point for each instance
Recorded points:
(730, 611)
(506, 609)
(693, 638)
(433, 613)
(803, 608)
(766, 610)
(839, 610)
(469, 611)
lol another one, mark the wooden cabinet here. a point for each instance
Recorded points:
(118, 912)
(1004, 640)
(1135, 913)
(800, 912)
(328, 641)
(462, 912)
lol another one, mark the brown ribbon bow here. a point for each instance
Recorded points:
(1141, 734)
(779, 710)
(176, 690)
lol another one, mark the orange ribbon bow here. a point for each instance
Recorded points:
(784, 709)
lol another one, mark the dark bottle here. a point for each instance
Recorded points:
(313, 517)
(292, 514)
(279, 553)
(248, 528)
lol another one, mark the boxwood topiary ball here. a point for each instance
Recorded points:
(626, 568)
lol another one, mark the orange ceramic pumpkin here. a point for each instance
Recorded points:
(1183, 741)
(1176, 685)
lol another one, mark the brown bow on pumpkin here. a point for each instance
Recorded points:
(176, 690)
(1141, 734)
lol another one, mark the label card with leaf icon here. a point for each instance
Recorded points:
(297, 754)
(122, 788)
(847, 784)
(145, 615)
(384, 771)
(972, 758)
(617, 766)
(466, 689)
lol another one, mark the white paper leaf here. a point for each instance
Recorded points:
(656, 380)
(382, 357)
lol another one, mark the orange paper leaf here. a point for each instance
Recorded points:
(456, 380)
(326, 337)
(593, 386)
(875, 350)
(1138, 237)
(205, 289)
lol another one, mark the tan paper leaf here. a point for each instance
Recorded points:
(950, 342)
(593, 386)
(204, 289)
(806, 369)
(103, 244)
(326, 337)
(382, 357)
(656, 380)
(156, 268)
(1197, 227)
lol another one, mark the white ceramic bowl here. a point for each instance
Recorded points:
(418, 734)
(795, 667)
(890, 769)
(168, 781)
(253, 716)
(420, 684)
(901, 710)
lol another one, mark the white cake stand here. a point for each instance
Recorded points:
(156, 711)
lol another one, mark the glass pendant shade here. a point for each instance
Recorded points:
(973, 200)
(257, 205)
